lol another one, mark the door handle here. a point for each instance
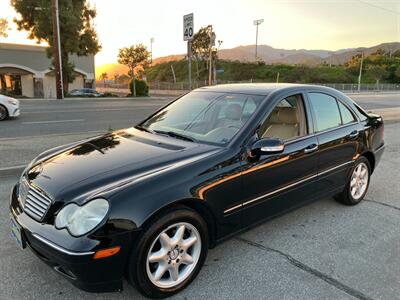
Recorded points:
(311, 148)
(354, 134)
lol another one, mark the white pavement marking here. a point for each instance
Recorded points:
(58, 121)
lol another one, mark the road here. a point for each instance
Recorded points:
(321, 251)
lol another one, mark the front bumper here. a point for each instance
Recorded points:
(14, 112)
(77, 263)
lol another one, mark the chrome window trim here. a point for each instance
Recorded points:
(300, 138)
(337, 127)
(59, 248)
(285, 187)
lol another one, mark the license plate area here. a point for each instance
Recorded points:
(17, 234)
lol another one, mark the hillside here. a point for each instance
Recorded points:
(270, 55)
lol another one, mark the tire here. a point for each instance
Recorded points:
(143, 266)
(3, 112)
(349, 196)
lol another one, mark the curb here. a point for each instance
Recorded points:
(12, 171)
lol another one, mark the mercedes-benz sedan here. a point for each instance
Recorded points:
(9, 107)
(147, 202)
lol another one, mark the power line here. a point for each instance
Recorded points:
(380, 7)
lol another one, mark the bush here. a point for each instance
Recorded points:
(142, 88)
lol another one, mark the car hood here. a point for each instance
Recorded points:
(100, 163)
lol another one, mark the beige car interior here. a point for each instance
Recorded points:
(233, 116)
(286, 122)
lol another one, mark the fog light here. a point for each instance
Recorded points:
(106, 252)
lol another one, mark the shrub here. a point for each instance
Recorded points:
(142, 88)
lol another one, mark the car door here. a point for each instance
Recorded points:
(338, 133)
(277, 182)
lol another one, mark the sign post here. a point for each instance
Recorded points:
(188, 36)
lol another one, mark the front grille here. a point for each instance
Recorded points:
(34, 202)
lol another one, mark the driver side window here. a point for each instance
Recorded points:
(287, 121)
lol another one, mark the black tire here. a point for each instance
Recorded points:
(136, 270)
(3, 112)
(346, 197)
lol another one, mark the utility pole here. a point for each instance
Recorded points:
(212, 43)
(215, 62)
(359, 75)
(151, 51)
(257, 22)
(57, 49)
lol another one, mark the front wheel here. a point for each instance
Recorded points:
(358, 184)
(169, 254)
(3, 113)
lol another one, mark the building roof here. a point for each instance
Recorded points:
(10, 46)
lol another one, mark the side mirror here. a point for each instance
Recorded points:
(267, 146)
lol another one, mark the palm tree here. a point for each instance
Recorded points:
(104, 77)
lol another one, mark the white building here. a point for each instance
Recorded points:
(27, 71)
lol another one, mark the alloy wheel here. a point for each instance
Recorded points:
(173, 255)
(3, 113)
(359, 181)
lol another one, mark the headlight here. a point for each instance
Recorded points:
(12, 101)
(82, 219)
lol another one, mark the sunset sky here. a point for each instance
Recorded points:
(289, 24)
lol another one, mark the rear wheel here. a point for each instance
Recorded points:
(358, 183)
(169, 254)
(3, 113)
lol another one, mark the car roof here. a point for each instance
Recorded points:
(263, 89)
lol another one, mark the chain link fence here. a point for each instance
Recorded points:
(171, 88)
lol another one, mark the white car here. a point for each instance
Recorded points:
(9, 107)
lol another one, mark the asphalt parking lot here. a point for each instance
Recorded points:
(321, 251)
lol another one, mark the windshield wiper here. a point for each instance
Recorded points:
(177, 135)
(144, 129)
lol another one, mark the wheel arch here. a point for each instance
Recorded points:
(371, 159)
(195, 204)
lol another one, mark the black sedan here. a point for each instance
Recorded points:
(148, 202)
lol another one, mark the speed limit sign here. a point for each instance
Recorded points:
(188, 27)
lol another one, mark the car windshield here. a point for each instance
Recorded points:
(209, 117)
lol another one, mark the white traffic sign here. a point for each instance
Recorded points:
(188, 27)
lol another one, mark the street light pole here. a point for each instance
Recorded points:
(257, 22)
(359, 75)
(57, 49)
(151, 51)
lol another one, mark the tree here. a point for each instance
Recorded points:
(201, 43)
(104, 77)
(134, 57)
(77, 34)
(201, 46)
(397, 72)
(376, 72)
(4, 27)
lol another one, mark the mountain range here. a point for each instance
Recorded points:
(272, 55)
